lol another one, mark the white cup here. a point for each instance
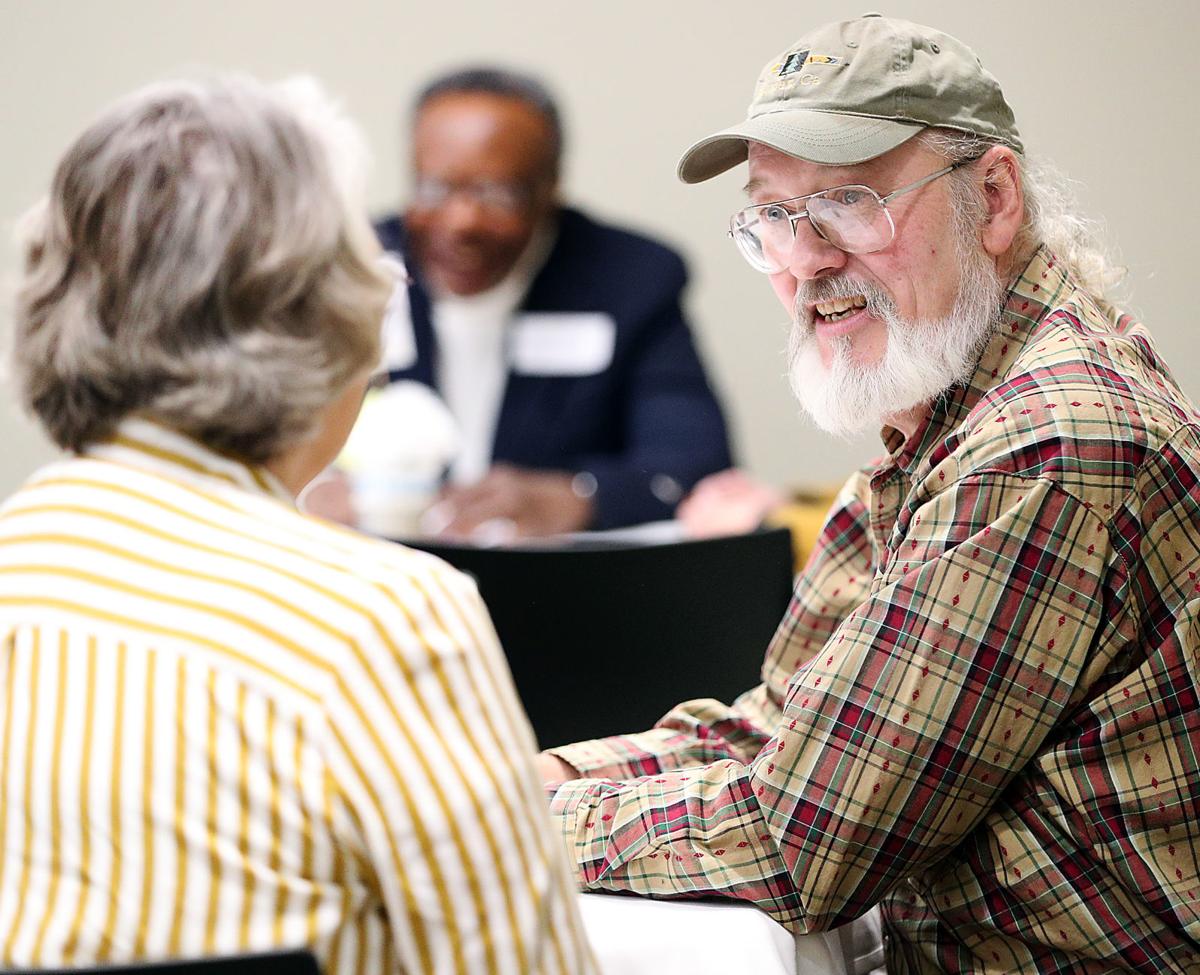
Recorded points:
(394, 459)
(390, 501)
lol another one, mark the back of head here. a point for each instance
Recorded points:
(201, 260)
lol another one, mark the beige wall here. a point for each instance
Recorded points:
(1107, 89)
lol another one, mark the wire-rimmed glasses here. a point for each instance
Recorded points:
(854, 218)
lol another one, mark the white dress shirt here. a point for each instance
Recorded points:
(472, 363)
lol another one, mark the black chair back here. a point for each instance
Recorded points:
(604, 637)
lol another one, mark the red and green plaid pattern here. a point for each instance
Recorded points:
(981, 707)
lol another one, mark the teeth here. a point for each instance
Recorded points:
(839, 308)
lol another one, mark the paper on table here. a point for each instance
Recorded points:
(638, 936)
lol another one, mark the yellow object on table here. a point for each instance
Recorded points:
(804, 515)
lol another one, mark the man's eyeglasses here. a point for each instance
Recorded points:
(494, 197)
(853, 218)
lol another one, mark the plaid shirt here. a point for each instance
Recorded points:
(981, 706)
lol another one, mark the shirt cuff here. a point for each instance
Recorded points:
(565, 798)
(580, 813)
(603, 758)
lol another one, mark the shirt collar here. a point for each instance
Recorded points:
(1033, 291)
(149, 446)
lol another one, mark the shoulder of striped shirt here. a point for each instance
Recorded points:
(269, 520)
(365, 558)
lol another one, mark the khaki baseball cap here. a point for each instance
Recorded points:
(851, 91)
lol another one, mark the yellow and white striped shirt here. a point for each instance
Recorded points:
(226, 727)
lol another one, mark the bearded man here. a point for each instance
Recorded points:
(979, 711)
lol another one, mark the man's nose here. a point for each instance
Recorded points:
(812, 256)
(462, 212)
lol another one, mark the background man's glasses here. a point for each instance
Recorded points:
(853, 218)
(493, 197)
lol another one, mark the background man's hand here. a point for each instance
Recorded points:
(727, 503)
(510, 502)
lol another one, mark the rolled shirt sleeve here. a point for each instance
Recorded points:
(895, 738)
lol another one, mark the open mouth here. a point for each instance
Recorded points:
(839, 308)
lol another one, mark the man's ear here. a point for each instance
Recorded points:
(1000, 172)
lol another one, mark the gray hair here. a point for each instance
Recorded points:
(201, 259)
(504, 83)
(1052, 214)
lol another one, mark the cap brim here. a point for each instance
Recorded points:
(826, 138)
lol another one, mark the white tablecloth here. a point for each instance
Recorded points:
(636, 936)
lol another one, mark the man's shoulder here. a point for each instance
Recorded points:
(581, 235)
(1087, 403)
(1081, 357)
(389, 228)
(596, 266)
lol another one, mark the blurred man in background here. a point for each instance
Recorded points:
(558, 343)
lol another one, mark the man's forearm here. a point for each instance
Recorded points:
(689, 832)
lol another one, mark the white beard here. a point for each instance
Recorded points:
(922, 359)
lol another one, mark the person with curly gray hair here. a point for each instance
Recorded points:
(226, 726)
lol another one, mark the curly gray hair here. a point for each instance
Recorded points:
(201, 259)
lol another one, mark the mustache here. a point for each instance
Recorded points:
(879, 302)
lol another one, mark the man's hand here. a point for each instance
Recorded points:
(729, 502)
(553, 769)
(510, 502)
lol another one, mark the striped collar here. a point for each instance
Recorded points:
(147, 445)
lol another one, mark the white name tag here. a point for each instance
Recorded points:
(399, 342)
(561, 343)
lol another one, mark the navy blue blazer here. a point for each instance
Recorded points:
(648, 425)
